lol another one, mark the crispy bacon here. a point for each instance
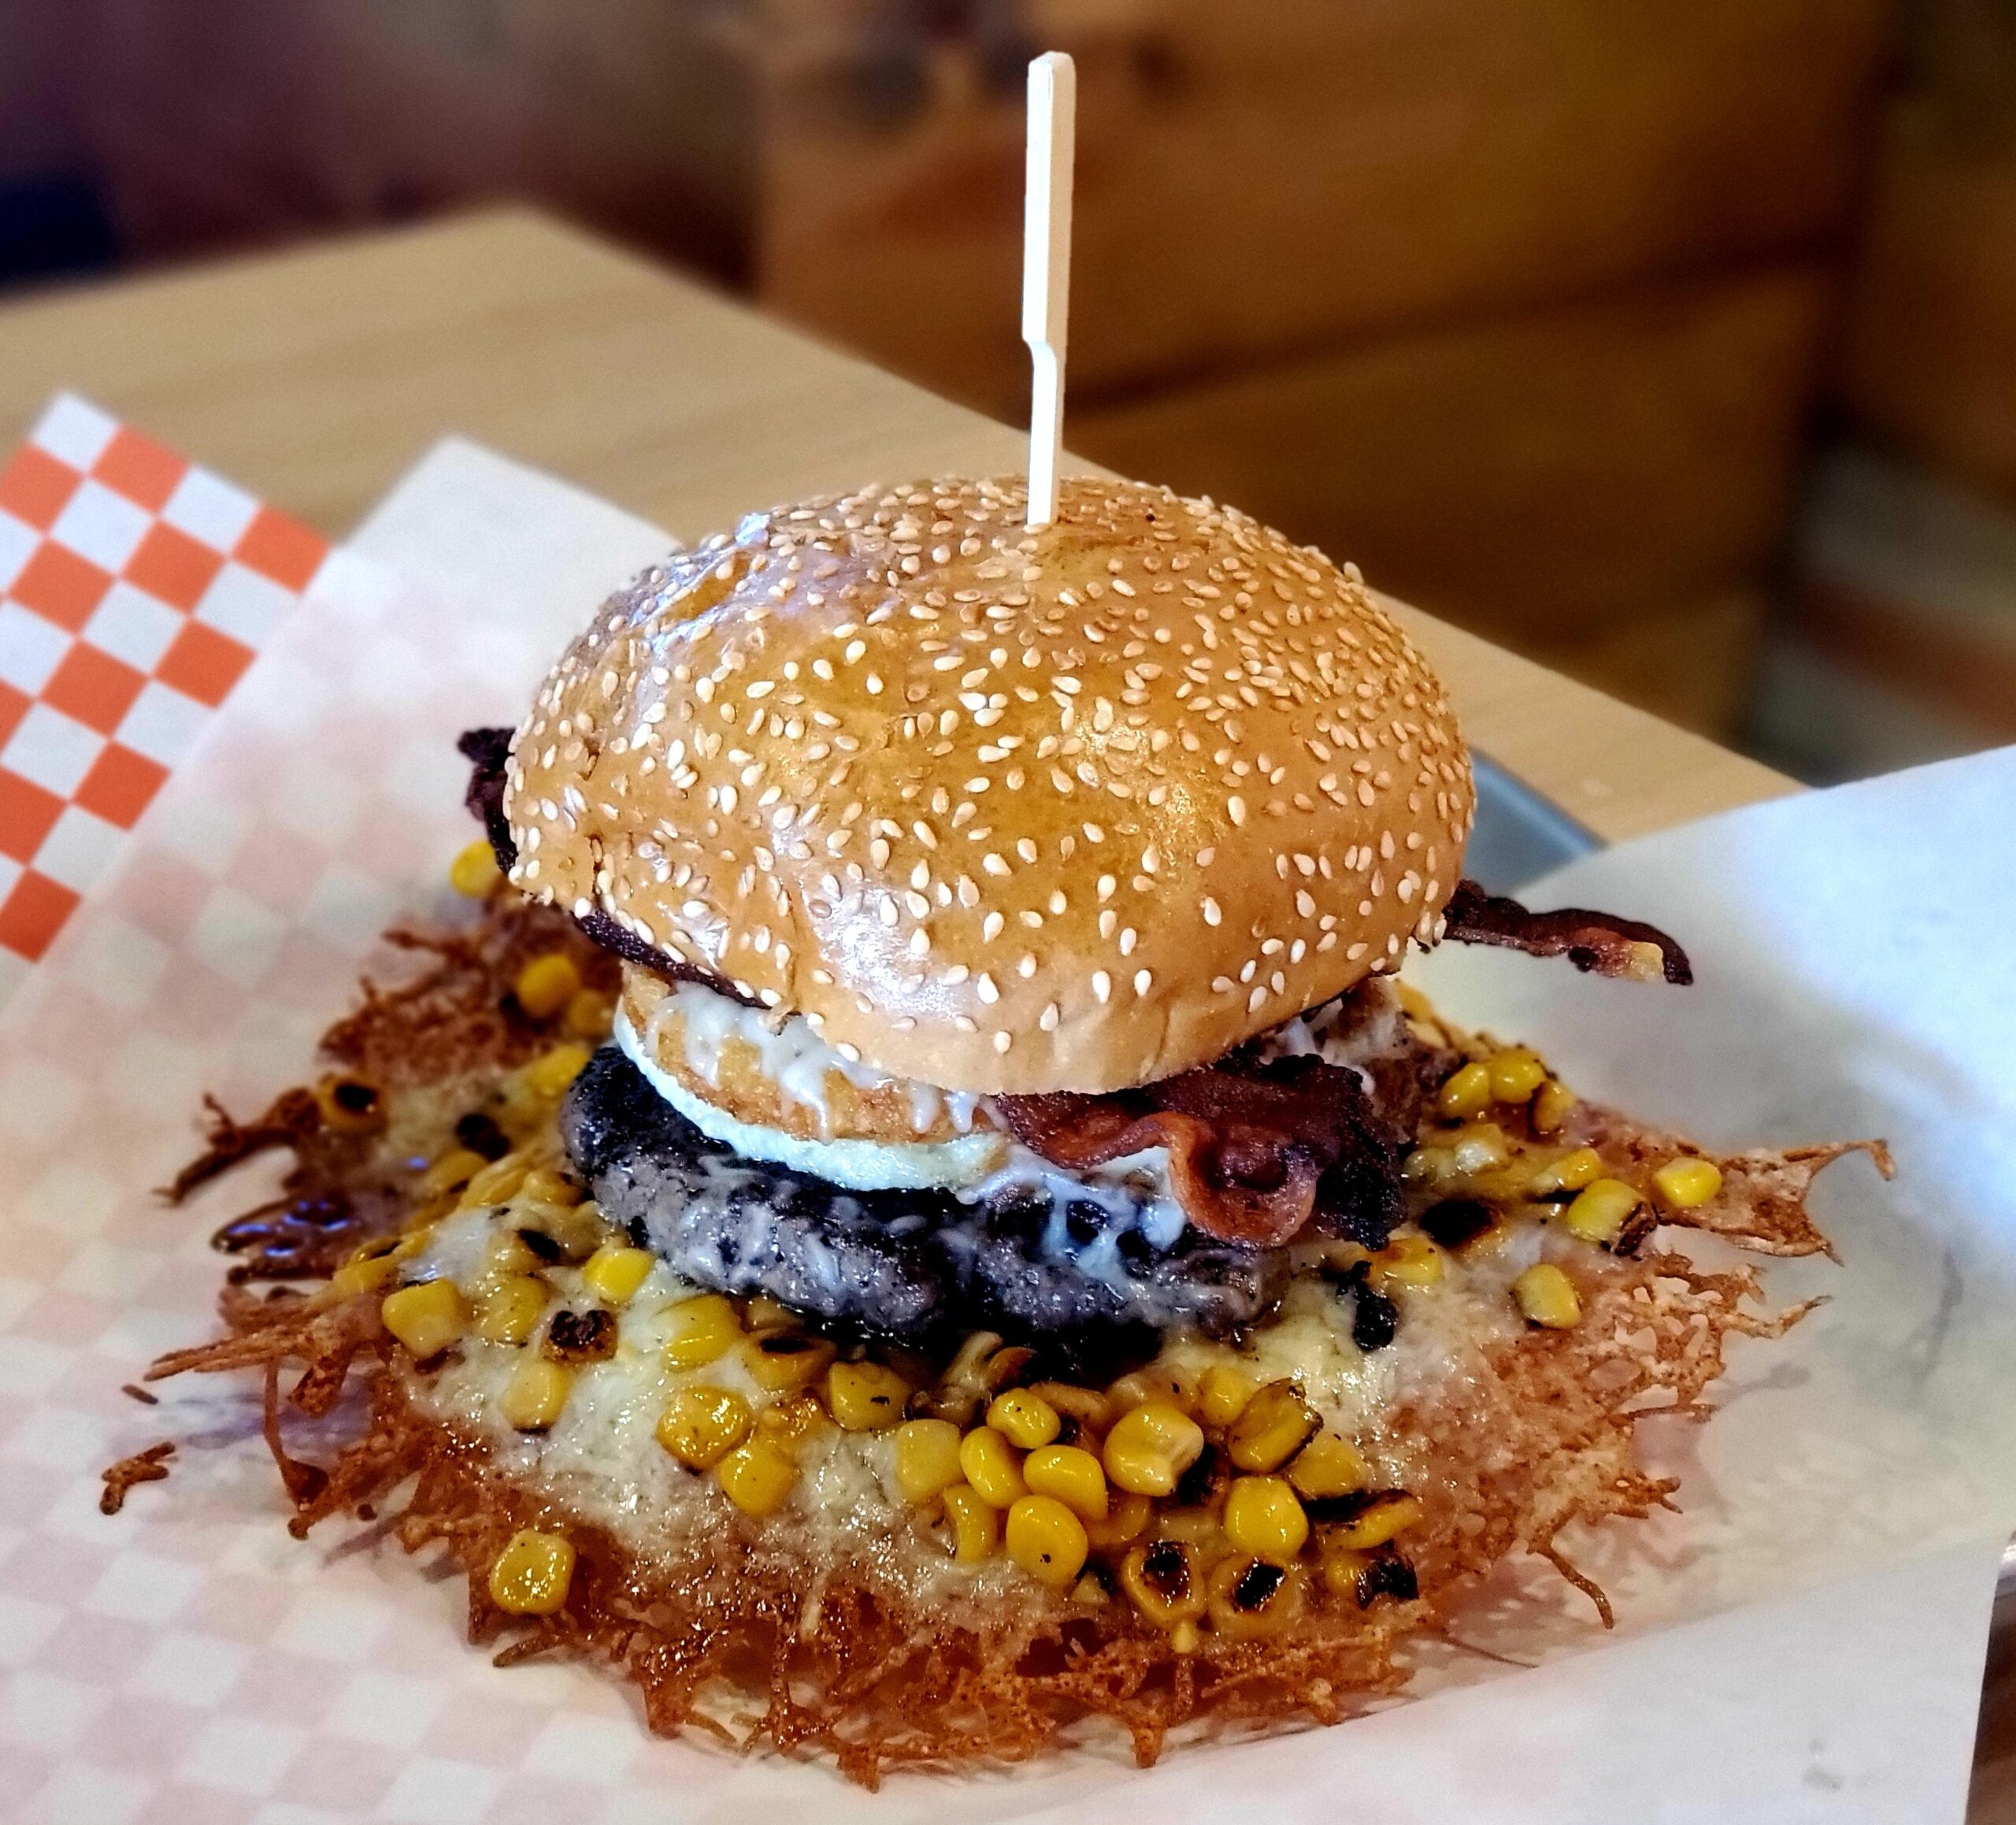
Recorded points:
(1256, 1153)
(1600, 941)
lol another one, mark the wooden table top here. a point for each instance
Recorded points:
(315, 377)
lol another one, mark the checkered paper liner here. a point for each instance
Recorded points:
(134, 588)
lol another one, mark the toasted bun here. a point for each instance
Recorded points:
(1002, 810)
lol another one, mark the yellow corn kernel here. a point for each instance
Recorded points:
(761, 1312)
(1087, 1406)
(1515, 1074)
(1072, 1474)
(1547, 1297)
(700, 1331)
(702, 1424)
(1164, 1579)
(364, 1273)
(1688, 1183)
(1552, 1106)
(1025, 1419)
(613, 1274)
(350, 1104)
(426, 1317)
(550, 1074)
(1125, 1521)
(783, 1362)
(1388, 1515)
(1150, 1446)
(544, 1186)
(1174, 1387)
(545, 985)
(1252, 1599)
(497, 1184)
(1343, 1566)
(1088, 1592)
(756, 1477)
(1327, 1466)
(1263, 1518)
(976, 1524)
(865, 1396)
(1407, 1260)
(1223, 1394)
(1465, 1092)
(1571, 1172)
(511, 1309)
(1046, 1540)
(1276, 1424)
(531, 1576)
(927, 1459)
(455, 1167)
(1599, 1210)
(474, 871)
(991, 1468)
(589, 1014)
(536, 1393)
(785, 1423)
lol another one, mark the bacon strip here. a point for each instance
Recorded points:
(1600, 941)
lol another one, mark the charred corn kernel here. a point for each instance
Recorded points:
(1327, 1466)
(536, 1393)
(1465, 1092)
(702, 1424)
(1046, 1540)
(1515, 1074)
(865, 1397)
(1024, 1418)
(1223, 1392)
(1342, 1567)
(975, 1521)
(1263, 1518)
(350, 1105)
(1174, 1387)
(786, 1424)
(545, 985)
(455, 1167)
(1407, 1261)
(1551, 1106)
(1164, 1579)
(474, 871)
(1126, 1520)
(1571, 1172)
(756, 1477)
(1276, 1424)
(1150, 1446)
(511, 1310)
(1087, 1406)
(1251, 1599)
(543, 1186)
(1688, 1183)
(1389, 1514)
(550, 1074)
(990, 1467)
(531, 1576)
(589, 1014)
(1599, 1212)
(1547, 1297)
(497, 1183)
(1070, 1473)
(613, 1274)
(927, 1459)
(426, 1317)
(363, 1273)
(700, 1331)
(782, 1362)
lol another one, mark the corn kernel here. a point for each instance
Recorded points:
(1465, 1092)
(589, 1014)
(544, 1186)
(1252, 1599)
(1174, 1387)
(761, 1312)
(1571, 1172)
(1477, 1147)
(1024, 1418)
(1515, 1075)
(511, 1309)
(783, 1362)
(1327, 1466)
(550, 1074)
(1276, 1424)
(757, 1477)
(1088, 1592)
(1087, 1406)
(1072, 1474)
(1552, 1106)
(865, 1396)
(976, 1524)
(1164, 1579)
(350, 1104)
(1046, 1540)
(536, 1393)
(1263, 1518)
(1125, 1521)
(1547, 1297)
(701, 1425)
(700, 1331)
(927, 1459)
(1599, 1210)
(1342, 1566)
(531, 1576)
(613, 1274)
(427, 1318)
(1407, 1260)
(1688, 1183)
(497, 1184)
(455, 1167)
(1223, 1394)
(991, 1468)
(364, 1273)
(1150, 1446)
(788, 1422)
(474, 871)
(1388, 1513)
(545, 985)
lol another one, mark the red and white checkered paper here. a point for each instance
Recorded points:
(134, 588)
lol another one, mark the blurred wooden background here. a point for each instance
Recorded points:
(1608, 327)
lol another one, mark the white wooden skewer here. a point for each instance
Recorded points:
(1046, 266)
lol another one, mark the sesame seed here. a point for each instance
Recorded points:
(1101, 986)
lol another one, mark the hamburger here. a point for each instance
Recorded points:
(919, 1215)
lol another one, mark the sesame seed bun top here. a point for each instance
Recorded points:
(1003, 810)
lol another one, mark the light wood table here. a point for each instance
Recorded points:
(317, 377)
